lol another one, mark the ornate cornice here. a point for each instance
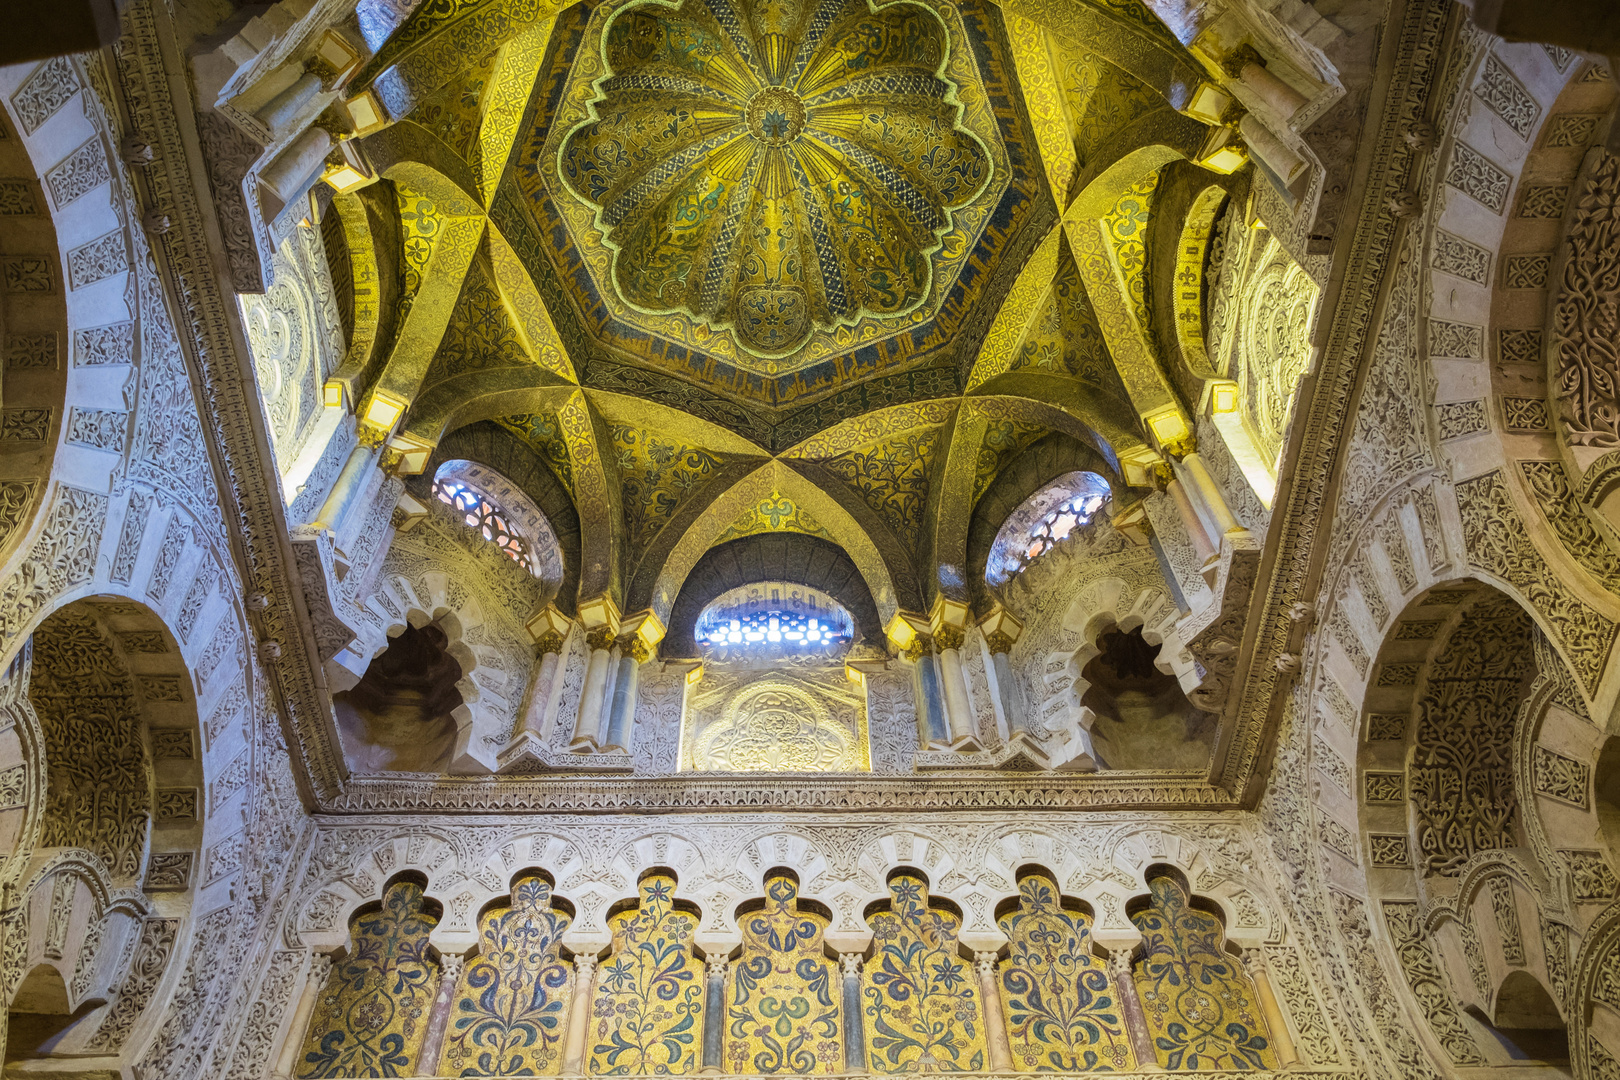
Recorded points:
(753, 792)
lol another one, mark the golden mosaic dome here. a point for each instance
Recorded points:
(772, 169)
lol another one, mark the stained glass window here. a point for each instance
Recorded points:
(1045, 520)
(484, 514)
(774, 616)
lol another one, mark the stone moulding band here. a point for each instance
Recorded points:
(830, 791)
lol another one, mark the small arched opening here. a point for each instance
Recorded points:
(40, 1015)
(1527, 1025)
(401, 715)
(1142, 719)
(1047, 518)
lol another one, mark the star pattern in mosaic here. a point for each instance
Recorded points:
(773, 168)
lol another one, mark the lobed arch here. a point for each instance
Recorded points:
(480, 715)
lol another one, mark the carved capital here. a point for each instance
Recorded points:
(584, 967)
(998, 642)
(716, 968)
(548, 642)
(370, 436)
(949, 637)
(1180, 448)
(922, 645)
(851, 964)
(1119, 964)
(985, 964)
(1254, 962)
(450, 965)
(600, 638)
(633, 646)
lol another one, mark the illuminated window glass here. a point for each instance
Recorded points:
(1045, 520)
(774, 616)
(484, 514)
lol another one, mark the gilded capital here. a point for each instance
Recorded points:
(600, 638)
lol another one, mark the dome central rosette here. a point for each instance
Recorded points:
(775, 168)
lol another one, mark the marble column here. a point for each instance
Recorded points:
(930, 702)
(1136, 1026)
(588, 733)
(1197, 532)
(579, 1015)
(350, 482)
(427, 1062)
(542, 701)
(854, 1031)
(320, 969)
(995, 1024)
(1210, 494)
(958, 711)
(714, 1018)
(622, 712)
(1282, 1040)
(284, 106)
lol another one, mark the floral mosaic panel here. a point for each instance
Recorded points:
(370, 1019)
(1200, 1007)
(648, 1013)
(511, 1008)
(1062, 1013)
(782, 992)
(921, 1007)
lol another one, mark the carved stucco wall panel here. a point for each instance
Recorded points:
(841, 862)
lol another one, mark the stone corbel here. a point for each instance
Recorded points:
(1214, 633)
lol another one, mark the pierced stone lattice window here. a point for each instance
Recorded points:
(484, 514)
(1045, 520)
(774, 616)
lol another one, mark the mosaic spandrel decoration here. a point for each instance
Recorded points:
(1200, 1006)
(648, 1013)
(1063, 1014)
(782, 992)
(775, 168)
(921, 1011)
(511, 1008)
(370, 1019)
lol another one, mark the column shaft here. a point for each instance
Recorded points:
(714, 1018)
(854, 1032)
(1119, 969)
(936, 725)
(320, 968)
(957, 708)
(622, 714)
(349, 483)
(1281, 1038)
(995, 1024)
(579, 1016)
(1016, 720)
(427, 1062)
(1196, 531)
(1211, 494)
(534, 719)
(588, 727)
